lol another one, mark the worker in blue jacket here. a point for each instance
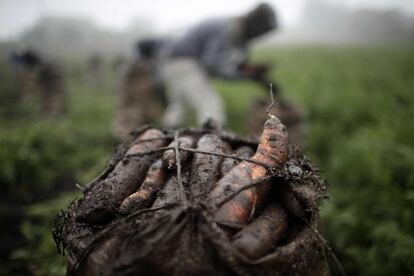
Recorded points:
(216, 48)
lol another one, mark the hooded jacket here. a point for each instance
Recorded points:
(220, 45)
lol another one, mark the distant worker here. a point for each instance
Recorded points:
(27, 64)
(41, 79)
(95, 64)
(216, 48)
(139, 99)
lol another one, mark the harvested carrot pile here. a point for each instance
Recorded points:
(198, 202)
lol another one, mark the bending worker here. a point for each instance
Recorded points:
(213, 48)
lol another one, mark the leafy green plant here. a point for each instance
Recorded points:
(41, 158)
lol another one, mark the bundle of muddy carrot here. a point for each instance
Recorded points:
(198, 201)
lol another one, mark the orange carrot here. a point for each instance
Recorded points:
(273, 151)
(101, 202)
(258, 238)
(145, 196)
(229, 163)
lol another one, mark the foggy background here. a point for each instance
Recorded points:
(68, 28)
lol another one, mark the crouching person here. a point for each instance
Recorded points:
(216, 48)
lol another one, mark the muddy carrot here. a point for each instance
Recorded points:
(273, 151)
(258, 237)
(229, 163)
(147, 192)
(171, 193)
(97, 261)
(289, 200)
(101, 202)
(307, 196)
(206, 168)
(168, 156)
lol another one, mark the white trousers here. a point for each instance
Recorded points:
(187, 88)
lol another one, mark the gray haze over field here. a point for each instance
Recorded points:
(18, 15)
(112, 26)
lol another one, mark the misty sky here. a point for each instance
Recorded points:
(17, 15)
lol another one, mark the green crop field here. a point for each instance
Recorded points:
(358, 103)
